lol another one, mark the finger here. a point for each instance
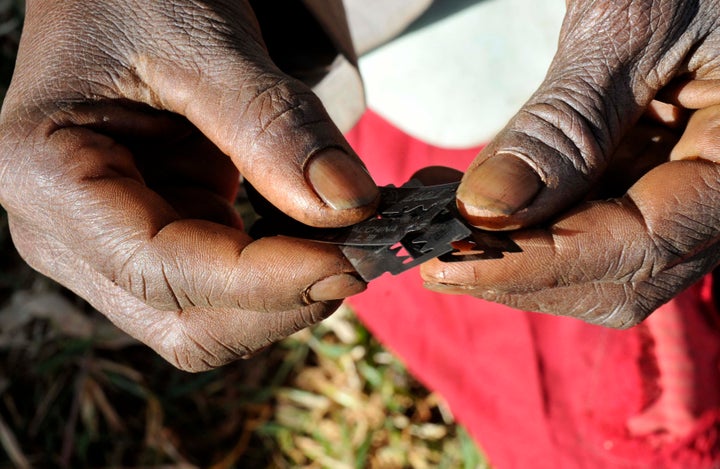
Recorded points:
(647, 145)
(433, 175)
(609, 262)
(128, 233)
(192, 175)
(193, 339)
(667, 114)
(612, 59)
(201, 204)
(701, 138)
(694, 94)
(272, 126)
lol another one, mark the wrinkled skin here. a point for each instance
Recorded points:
(627, 122)
(123, 136)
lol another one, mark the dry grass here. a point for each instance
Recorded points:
(76, 392)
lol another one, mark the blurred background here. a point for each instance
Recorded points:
(76, 392)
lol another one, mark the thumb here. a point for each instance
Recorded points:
(613, 58)
(273, 127)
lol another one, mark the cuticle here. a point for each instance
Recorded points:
(533, 165)
(314, 152)
(305, 295)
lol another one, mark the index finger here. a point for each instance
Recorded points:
(607, 262)
(136, 239)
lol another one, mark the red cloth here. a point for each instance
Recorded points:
(536, 391)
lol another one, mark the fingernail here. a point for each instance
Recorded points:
(501, 185)
(340, 180)
(446, 289)
(336, 287)
(254, 353)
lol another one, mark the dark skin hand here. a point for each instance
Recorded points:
(627, 122)
(123, 137)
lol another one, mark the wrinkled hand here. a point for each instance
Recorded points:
(625, 133)
(123, 136)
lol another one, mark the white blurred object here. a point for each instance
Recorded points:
(373, 22)
(463, 69)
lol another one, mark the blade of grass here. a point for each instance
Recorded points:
(11, 446)
(69, 435)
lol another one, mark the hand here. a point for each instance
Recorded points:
(630, 109)
(123, 136)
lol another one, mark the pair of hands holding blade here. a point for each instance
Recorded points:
(128, 125)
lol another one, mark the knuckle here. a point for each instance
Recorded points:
(189, 347)
(154, 284)
(27, 244)
(204, 23)
(624, 315)
(683, 234)
(278, 103)
(628, 304)
(571, 121)
(290, 321)
(314, 313)
(18, 174)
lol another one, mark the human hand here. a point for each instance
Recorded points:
(625, 130)
(124, 133)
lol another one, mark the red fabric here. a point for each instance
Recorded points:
(538, 391)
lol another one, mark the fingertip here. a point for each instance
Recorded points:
(434, 175)
(341, 180)
(700, 138)
(493, 191)
(437, 274)
(336, 287)
(445, 288)
(448, 278)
